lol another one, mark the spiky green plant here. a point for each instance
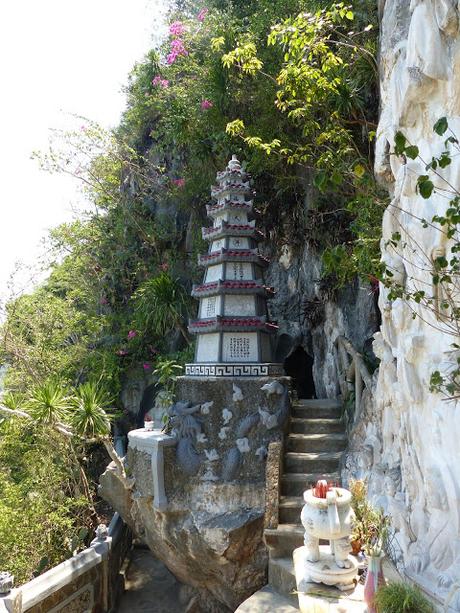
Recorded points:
(89, 417)
(160, 305)
(12, 400)
(401, 598)
(49, 403)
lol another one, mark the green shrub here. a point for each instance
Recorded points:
(401, 598)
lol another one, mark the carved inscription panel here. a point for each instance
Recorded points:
(239, 271)
(240, 347)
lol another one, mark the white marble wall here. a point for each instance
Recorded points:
(410, 438)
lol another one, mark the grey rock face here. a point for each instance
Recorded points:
(310, 320)
(210, 535)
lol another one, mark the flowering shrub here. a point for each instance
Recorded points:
(202, 14)
(177, 49)
(177, 28)
(158, 81)
(206, 104)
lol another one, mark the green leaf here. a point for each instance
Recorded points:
(400, 143)
(441, 126)
(412, 151)
(425, 186)
(444, 160)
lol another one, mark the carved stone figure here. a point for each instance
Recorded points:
(187, 426)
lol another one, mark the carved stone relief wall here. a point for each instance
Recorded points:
(407, 441)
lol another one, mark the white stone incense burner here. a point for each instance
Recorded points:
(328, 517)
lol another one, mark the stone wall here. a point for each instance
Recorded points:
(408, 437)
(209, 533)
(88, 582)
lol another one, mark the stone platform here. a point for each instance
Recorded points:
(325, 571)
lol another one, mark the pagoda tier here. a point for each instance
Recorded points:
(249, 256)
(226, 229)
(218, 288)
(232, 210)
(234, 335)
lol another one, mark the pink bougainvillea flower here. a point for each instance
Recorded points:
(146, 366)
(202, 14)
(177, 46)
(132, 334)
(206, 104)
(158, 81)
(177, 28)
(177, 49)
(179, 182)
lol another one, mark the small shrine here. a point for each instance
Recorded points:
(234, 334)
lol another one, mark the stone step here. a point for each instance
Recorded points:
(281, 576)
(290, 508)
(267, 600)
(307, 443)
(301, 425)
(326, 461)
(324, 408)
(324, 403)
(294, 484)
(283, 540)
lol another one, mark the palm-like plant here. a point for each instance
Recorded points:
(49, 403)
(161, 304)
(90, 419)
(89, 416)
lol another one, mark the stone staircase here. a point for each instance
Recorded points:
(313, 448)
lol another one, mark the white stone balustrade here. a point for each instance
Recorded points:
(153, 442)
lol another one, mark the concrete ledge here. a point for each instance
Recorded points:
(266, 600)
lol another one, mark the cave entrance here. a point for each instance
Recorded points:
(299, 365)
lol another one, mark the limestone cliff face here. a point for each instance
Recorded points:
(409, 437)
(310, 319)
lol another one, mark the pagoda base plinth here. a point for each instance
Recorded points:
(225, 369)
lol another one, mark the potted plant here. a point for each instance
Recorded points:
(359, 505)
(369, 534)
(375, 540)
(401, 598)
(148, 422)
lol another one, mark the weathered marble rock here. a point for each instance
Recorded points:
(309, 318)
(409, 436)
(210, 533)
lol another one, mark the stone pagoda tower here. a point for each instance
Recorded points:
(232, 327)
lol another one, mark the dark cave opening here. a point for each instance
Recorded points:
(299, 365)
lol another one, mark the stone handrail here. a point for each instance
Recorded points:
(273, 470)
(88, 581)
(353, 374)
